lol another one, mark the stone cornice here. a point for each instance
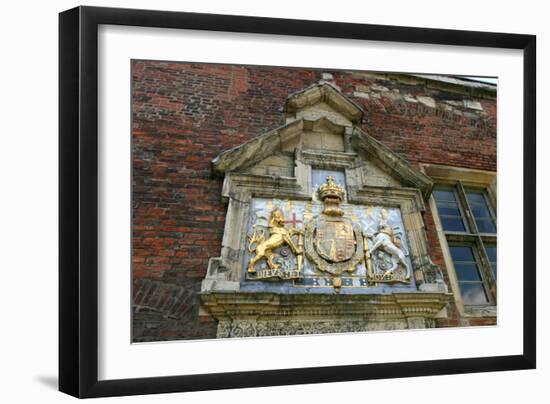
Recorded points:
(262, 186)
(447, 84)
(232, 306)
(255, 150)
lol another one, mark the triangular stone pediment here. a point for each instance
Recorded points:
(323, 122)
(321, 133)
(323, 100)
(390, 162)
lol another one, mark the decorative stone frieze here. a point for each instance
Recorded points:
(246, 315)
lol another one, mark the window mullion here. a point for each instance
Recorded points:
(487, 273)
(490, 208)
(467, 210)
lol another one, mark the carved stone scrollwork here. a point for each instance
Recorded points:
(244, 315)
(253, 328)
(433, 274)
(243, 329)
(224, 329)
(416, 322)
(432, 279)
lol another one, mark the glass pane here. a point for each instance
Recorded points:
(481, 212)
(467, 272)
(452, 224)
(491, 253)
(473, 293)
(475, 197)
(462, 254)
(486, 226)
(448, 211)
(444, 195)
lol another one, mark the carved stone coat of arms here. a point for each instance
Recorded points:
(324, 229)
(332, 243)
(329, 242)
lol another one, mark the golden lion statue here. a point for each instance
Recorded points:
(278, 235)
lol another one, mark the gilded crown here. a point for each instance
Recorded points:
(331, 190)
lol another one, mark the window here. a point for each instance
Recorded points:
(469, 275)
(469, 225)
(449, 209)
(483, 217)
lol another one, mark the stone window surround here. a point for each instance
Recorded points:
(469, 178)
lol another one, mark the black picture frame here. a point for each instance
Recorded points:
(78, 201)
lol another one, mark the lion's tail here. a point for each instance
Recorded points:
(254, 240)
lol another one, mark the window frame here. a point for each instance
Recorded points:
(460, 208)
(488, 203)
(462, 179)
(477, 255)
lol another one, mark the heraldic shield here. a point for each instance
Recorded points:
(332, 243)
(335, 240)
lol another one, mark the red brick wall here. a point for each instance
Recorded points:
(184, 115)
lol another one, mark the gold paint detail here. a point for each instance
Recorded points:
(337, 282)
(332, 195)
(331, 189)
(263, 248)
(333, 243)
(368, 259)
